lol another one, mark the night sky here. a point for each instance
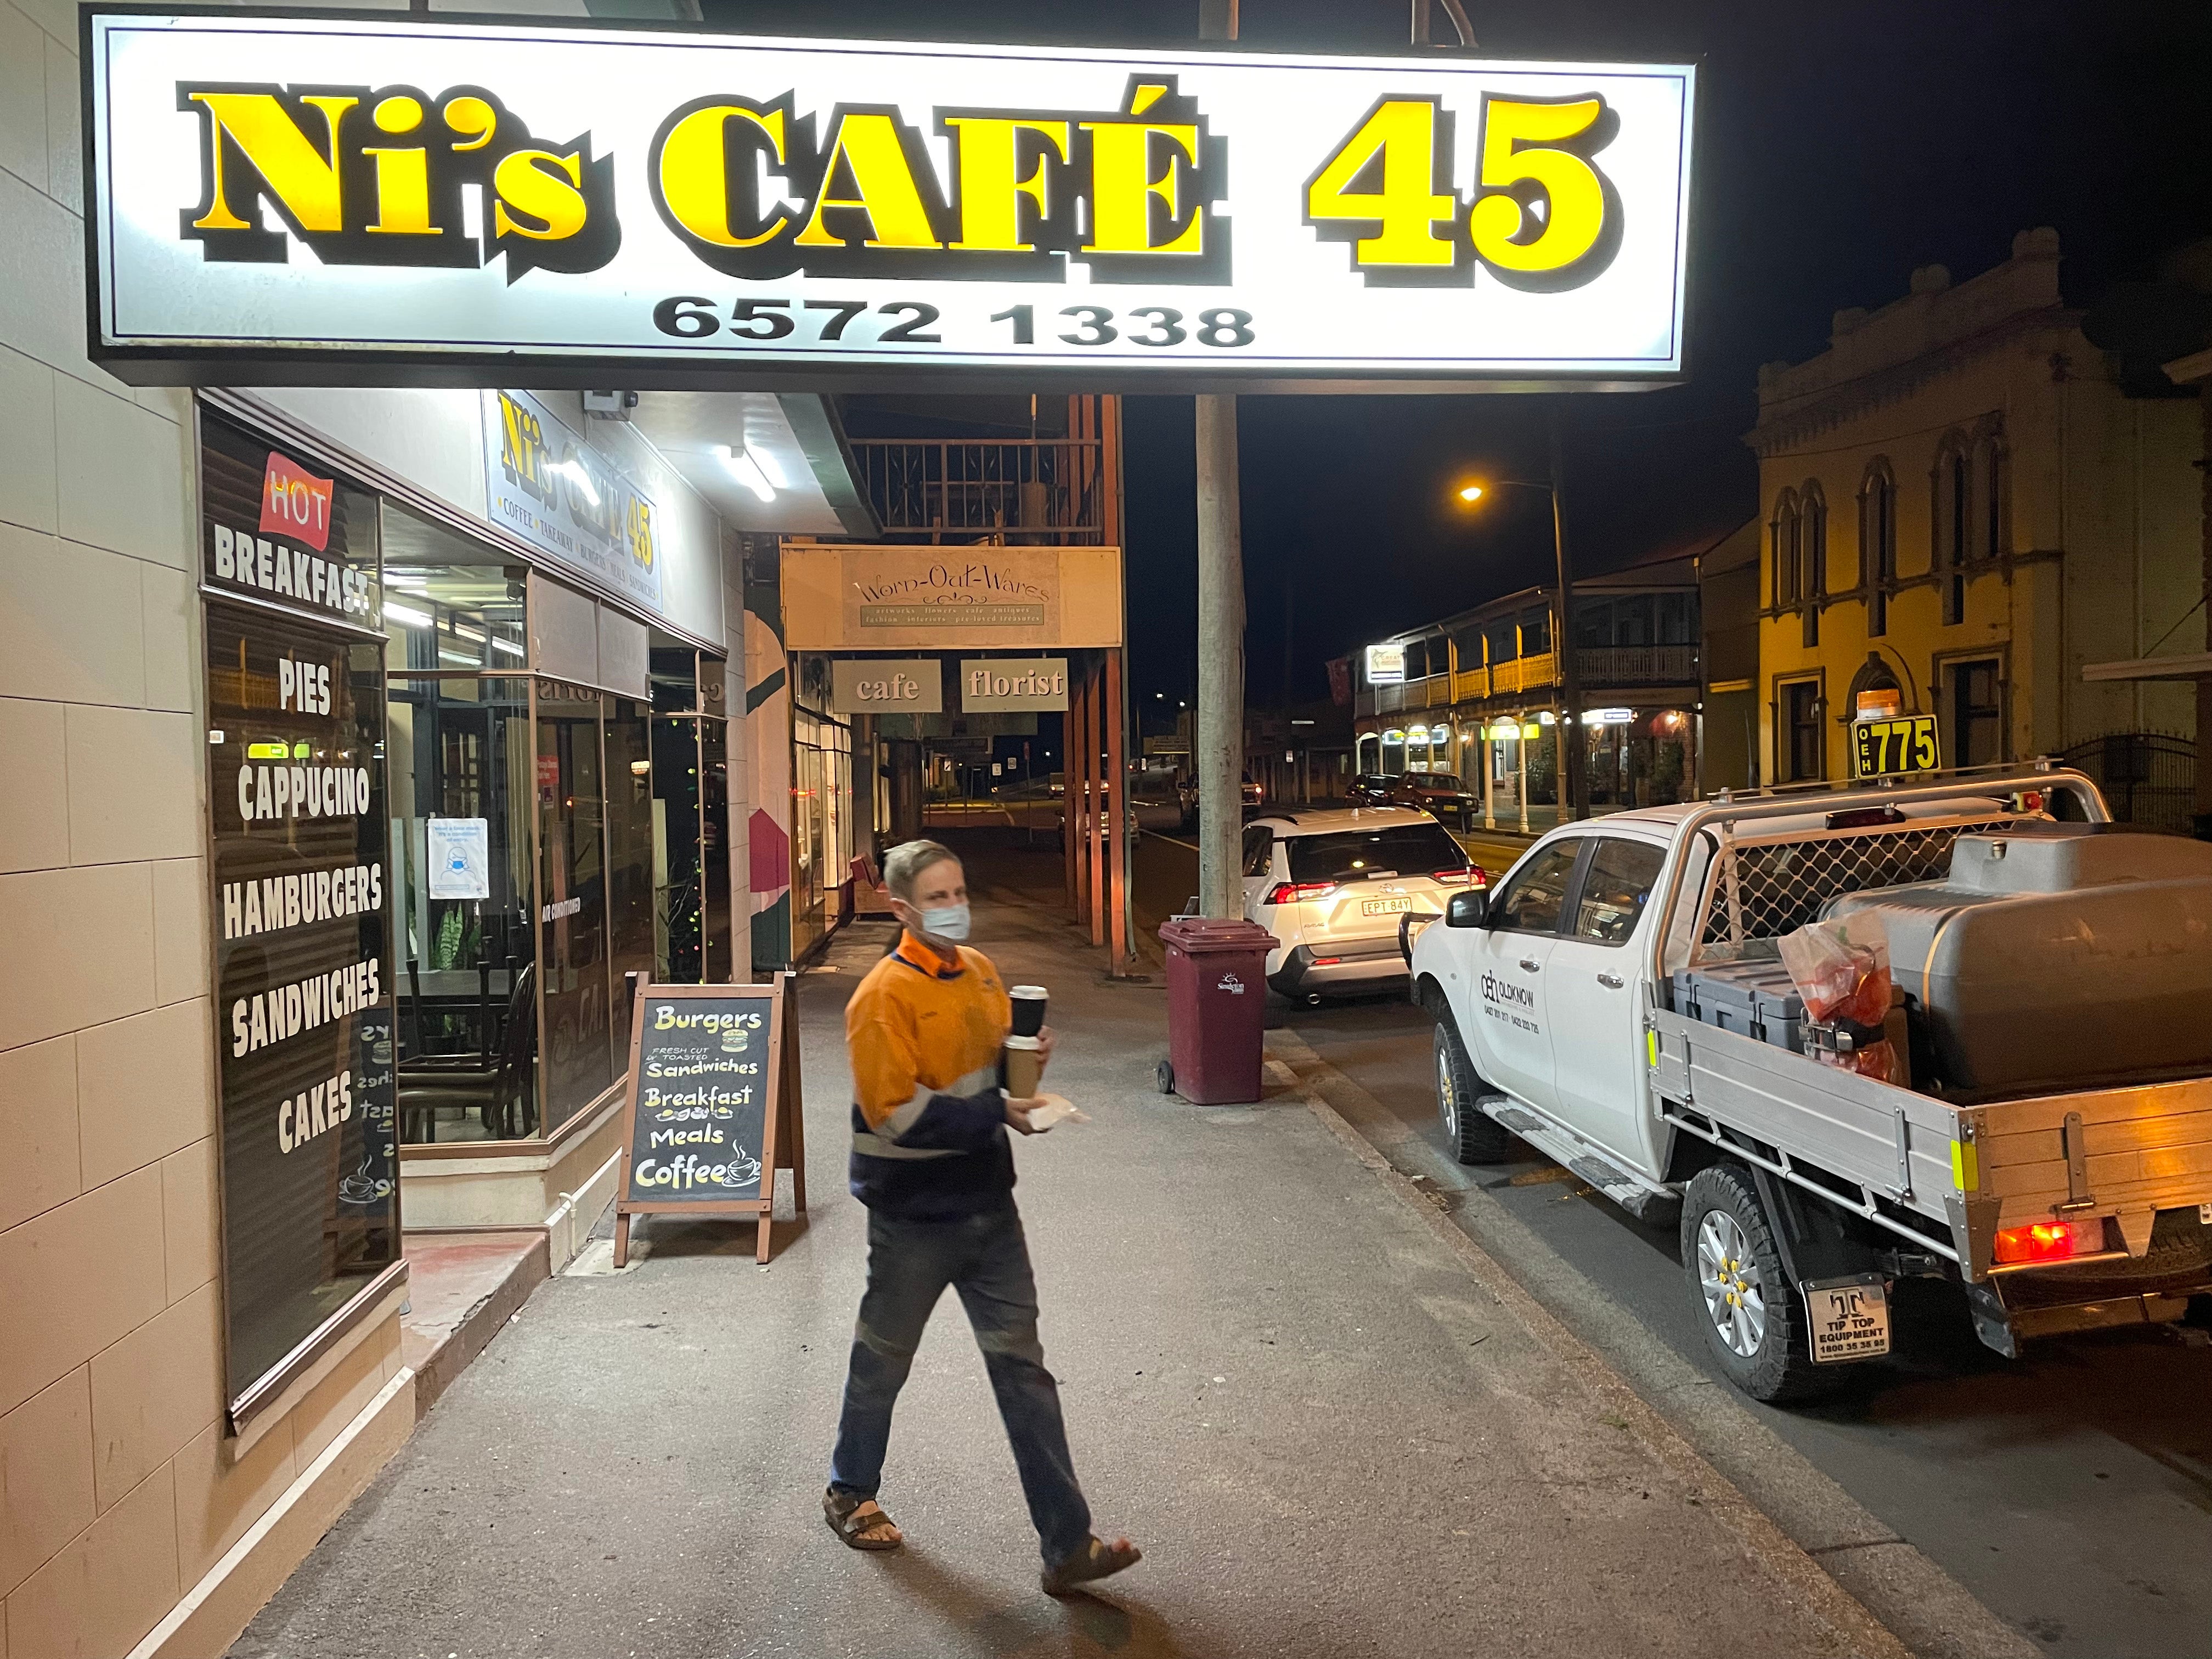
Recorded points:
(1838, 146)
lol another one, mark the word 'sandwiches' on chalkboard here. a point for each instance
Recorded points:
(714, 1106)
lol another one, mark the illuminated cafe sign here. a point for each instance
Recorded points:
(395, 200)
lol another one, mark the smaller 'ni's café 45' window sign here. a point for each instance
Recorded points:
(324, 194)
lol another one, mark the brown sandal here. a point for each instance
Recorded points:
(853, 1518)
(1092, 1560)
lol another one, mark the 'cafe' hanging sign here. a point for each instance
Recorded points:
(397, 200)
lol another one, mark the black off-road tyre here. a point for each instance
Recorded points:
(1471, 1136)
(1750, 1289)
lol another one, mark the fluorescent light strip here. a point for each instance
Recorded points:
(406, 616)
(507, 646)
(747, 471)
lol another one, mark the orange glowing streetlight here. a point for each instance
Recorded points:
(1563, 611)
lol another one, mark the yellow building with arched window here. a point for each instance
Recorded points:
(1961, 504)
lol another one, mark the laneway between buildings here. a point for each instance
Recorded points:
(1330, 1438)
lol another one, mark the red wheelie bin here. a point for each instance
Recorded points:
(1217, 1009)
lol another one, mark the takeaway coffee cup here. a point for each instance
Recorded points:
(1024, 1058)
(1029, 1002)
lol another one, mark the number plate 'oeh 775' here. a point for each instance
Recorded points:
(1849, 1318)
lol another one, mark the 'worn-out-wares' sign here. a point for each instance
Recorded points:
(387, 198)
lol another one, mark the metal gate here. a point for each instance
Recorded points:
(2149, 778)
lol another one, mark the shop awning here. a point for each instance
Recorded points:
(732, 447)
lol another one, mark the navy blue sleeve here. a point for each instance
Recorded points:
(962, 1123)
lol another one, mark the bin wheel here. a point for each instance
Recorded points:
(1165, 1075)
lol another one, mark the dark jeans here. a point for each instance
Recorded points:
(986, 1259)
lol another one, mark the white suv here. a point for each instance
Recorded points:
(1332, 885)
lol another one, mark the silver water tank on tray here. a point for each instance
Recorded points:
(2055, 955)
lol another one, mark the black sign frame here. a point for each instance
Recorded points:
(783, 1136)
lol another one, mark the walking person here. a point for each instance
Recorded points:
(931, 1162)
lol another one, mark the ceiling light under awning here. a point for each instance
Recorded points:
(747, 468)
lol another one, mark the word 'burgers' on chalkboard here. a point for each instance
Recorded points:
(714, 1104)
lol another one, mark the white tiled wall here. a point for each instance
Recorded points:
(117, 1487)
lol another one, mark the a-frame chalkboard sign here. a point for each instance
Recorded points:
(714, 1107)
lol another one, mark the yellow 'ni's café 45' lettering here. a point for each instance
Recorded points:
(372, 177)
(334, 194)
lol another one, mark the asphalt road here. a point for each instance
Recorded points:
(2070, 1492)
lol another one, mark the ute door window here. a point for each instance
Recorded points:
(1592, 1003)
(1614, 888)
(1533, 899)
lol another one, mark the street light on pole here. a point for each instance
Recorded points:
(1570, 735)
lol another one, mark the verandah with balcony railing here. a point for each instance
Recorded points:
(1046, 490)
(1604, 669)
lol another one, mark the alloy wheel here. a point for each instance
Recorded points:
(1447, 1098)
(1735, 1296)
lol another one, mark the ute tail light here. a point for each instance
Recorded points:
(1295, 893)
(2051, 1241)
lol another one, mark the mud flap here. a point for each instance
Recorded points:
(1991, 1322)
(1808, 1234)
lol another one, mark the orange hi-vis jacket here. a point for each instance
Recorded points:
(929, 1122)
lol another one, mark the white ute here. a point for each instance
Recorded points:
(1804, 1190)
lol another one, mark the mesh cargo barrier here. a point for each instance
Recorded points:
(1769, 888)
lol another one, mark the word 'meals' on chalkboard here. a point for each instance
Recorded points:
(715, 1108)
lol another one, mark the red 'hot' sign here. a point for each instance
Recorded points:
(295, 504)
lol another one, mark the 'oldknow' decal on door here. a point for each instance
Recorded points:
(1502, 1000)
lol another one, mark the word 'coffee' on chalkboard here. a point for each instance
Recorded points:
(714, 1104)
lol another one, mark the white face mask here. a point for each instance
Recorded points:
(950, 921)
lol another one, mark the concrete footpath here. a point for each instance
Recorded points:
(1335, 1428)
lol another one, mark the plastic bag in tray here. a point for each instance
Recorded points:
(1841, 969)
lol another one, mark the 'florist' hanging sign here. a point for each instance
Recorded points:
(399, 200)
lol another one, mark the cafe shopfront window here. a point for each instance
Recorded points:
(556, 837)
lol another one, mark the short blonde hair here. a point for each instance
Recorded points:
(904, 863)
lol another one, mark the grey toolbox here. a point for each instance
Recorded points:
(2054, 955)
(1753, 995)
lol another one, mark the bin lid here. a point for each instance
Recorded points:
(1204, 935)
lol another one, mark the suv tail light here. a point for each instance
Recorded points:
(2051, 1241)
(1454, 877)
(1293, 892)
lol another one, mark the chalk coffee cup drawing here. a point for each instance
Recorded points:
(1029, 1002)
(1024, 1057)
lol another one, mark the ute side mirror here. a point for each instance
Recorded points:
(1469, 909)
